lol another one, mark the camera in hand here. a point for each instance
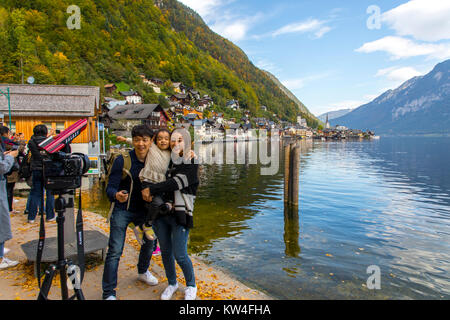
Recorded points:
(63, 171)
(164, 209)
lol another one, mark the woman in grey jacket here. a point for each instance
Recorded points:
(6, 162)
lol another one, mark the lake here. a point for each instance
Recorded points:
(382, 203)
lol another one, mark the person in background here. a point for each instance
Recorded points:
(39, 134)
(6, 162)
(7, 143)
(12, 176)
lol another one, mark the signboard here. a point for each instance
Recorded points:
(94, 166)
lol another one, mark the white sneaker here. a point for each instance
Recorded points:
(190, 293)
(111, 298)
(6, 263)
(169, 291)
(30, 221)
(148, 278)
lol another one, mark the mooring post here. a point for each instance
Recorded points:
(287, 164)
(295, 174)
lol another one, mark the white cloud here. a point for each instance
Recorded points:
(204, 8)
(223, 21)
(398, 74)
(267, 65)
(399, 48)
(299, 83)
(294, 84)
(319, 33)
(317, 27)
(426, 20)
(421, 28)
(232, 31)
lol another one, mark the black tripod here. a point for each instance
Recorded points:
(63, 265)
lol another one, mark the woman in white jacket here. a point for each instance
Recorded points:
(6, 163)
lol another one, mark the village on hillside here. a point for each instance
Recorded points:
(188, 108)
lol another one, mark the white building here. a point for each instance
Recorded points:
(131, 96)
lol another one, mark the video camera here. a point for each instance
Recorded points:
(62, 170)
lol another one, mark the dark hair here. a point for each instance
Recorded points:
(40, 130)
(3, 130)
(141, 131)
(162, 130)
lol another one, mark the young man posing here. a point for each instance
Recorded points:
(128, 207)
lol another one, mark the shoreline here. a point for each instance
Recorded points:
(19, 283)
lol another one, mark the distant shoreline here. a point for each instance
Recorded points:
(428, 135)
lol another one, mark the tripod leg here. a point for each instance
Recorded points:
(63, 281)
(79, 294)
(47, 283)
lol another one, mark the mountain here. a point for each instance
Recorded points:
(119, 40)
(291, 96)
(185, 20)
(333, 114)
(419, 106)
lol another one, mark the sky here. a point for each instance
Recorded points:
(335, 54)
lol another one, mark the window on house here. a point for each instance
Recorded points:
(13, 126)
(48, 125)
(60, 126)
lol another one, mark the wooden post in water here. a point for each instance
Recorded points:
(291, 173)
(295, 174)
(287, 161)
(291, 188)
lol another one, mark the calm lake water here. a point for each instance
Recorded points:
(361, 203)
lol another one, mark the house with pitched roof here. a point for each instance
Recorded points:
(127, 116)
(132, 97)
(55, 106)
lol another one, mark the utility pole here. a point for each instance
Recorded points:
(8, 97)
(21, 67)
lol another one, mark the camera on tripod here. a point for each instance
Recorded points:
(63, 171)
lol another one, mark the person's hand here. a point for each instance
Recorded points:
(146, 195)
(12, 153)
(122, 196)
(121, 139)
(193, 155)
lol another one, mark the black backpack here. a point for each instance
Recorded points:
(25, 167)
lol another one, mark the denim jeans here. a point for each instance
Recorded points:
(2, 248)
(36, 195)
(120, 219)
(173, 240)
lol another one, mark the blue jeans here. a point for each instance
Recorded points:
(120, 219)
(2, 248)
(173, 240)
(36, 196)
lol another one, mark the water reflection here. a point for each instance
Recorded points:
(360, 203)
(291, 231)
